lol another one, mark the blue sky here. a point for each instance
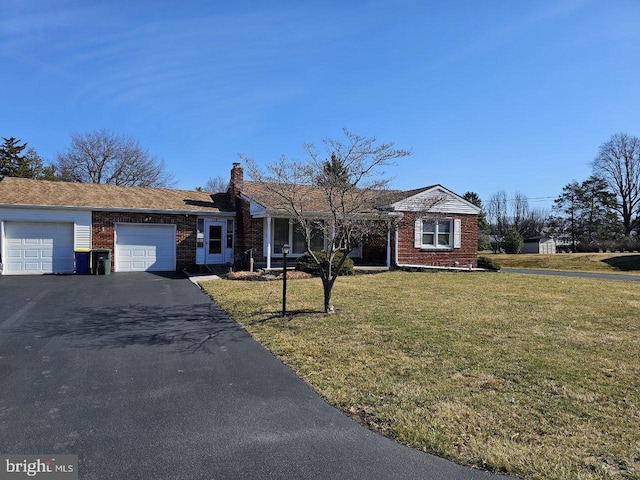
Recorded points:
(489, 95)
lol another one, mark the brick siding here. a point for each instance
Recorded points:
(250, 235)
(409, 255)
(250, 231)
(103, 232)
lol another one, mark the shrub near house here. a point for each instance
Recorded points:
(306, 263)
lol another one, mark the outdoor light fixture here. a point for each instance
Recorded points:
(285, 252)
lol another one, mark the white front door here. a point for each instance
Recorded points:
(215, 234)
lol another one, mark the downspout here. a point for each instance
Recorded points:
(268, 242)
(389, 245)
(2, 247)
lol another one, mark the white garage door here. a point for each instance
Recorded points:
(142, 248)
(38, 247)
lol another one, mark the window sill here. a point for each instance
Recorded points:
(436, 249)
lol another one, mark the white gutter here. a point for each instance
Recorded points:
(118, 209)
(389, 245)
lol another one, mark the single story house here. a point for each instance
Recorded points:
(433, 226)
(42, 223)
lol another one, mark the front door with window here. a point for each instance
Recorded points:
(215, 235)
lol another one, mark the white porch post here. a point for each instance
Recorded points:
(389, 245)
(268, 242)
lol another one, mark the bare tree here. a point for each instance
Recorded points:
(216, 184)
(497, 213)
(618, 162)
(519, 211)
(102, 156)
(344, 182)
(506, 214)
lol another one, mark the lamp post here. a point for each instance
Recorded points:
(285, 252)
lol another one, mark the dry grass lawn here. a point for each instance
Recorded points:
(586, 262)
(533, 376)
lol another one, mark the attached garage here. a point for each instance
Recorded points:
(145, 247)
(38, 247)
(43, 223)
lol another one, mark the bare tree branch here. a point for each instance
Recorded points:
(618, 162)
(335, 193)
(102, 156)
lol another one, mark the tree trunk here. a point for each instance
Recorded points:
(328, 303)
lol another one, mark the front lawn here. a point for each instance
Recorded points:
(533, 376)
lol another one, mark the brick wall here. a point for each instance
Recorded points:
(409, 255)
(103, 230)
(250, 235)
(250, 231)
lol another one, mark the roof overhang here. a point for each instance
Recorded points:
(116, 209)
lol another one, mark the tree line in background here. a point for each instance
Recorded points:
(16, 160)
(601, 212)
(99, 156)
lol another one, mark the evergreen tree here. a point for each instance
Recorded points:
(15, 163)
(484, 229)
(512, 241)
(334, 172)
(569, 203)
(588, 209)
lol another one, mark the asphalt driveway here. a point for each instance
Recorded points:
(143, 377)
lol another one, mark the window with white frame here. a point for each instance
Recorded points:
(288, 231)
(437, 233)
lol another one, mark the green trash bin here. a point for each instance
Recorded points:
(101, 261)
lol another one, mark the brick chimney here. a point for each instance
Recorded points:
(237, 180)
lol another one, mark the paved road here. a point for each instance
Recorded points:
(144, 377)
(561, 273)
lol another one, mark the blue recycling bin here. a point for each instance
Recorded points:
(83, 256)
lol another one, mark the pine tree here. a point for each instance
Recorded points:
(15, 163)
(11, 159)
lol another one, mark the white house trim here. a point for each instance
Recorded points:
(81, 220)
(436, 200)
(268, 241)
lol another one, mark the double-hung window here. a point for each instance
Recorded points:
(437, 233)
(288, 231)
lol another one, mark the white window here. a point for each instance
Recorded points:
(287, 231)
(229, 233)
(437, 233)
(200, 233)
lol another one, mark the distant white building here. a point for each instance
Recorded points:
(543, 245)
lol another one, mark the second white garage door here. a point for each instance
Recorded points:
(140, 248)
